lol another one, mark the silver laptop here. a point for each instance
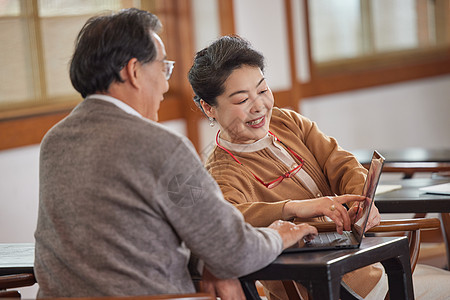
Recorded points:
(349, 239)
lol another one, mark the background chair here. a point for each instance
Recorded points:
(14, 281)
(411, 227)
(436, 248)
(409, 161)
(22, 280)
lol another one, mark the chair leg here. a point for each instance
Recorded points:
(291, 290)
(250, 291)
(9, 294)
(445, 221)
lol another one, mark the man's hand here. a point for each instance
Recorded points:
(226, 289)
(292, 233)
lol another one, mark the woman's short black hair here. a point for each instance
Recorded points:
(106, 43)
(214, 64)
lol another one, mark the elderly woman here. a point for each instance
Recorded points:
(274, 163)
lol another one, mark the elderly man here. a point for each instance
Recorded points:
(124, 201)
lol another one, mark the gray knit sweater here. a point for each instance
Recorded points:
(124, 201)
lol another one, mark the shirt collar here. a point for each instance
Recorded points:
(120, 104)
(256, 146)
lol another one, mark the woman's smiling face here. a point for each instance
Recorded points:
(244, 109)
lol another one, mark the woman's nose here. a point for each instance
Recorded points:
(257, 105)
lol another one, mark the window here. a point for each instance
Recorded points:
(37, 42)
(37, 39)
(356, 34)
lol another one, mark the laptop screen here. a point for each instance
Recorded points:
(370, 186)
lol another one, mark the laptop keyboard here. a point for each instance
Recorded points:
(333, 238)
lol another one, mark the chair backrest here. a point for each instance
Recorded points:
(408, 169)
(9, 294)
(410, 160)
(412, 228)
(14, 281)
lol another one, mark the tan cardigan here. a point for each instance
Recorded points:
(334, 170)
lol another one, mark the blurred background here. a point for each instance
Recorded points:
(372, 74)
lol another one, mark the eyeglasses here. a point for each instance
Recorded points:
(168, 67)
(277, 181)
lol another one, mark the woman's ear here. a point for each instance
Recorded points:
(208, 109)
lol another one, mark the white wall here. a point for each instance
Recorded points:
(409, 114)
(19, 198)
(206, 22)
(18, 194)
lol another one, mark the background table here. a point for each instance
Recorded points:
(16, 258)
(409, 199)
(321, 271)
(409, 160)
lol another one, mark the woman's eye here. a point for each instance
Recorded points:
(242, 101)
(263, 91)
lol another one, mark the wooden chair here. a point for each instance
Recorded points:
(14, 281)
(440, 237)
(23, 280)
(412, 227)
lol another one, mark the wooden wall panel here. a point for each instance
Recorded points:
(26, 131)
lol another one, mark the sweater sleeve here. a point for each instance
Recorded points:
(209, 226)
(343, 171)
(237, 189)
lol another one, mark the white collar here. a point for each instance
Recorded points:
(256, 146)
(120, 104)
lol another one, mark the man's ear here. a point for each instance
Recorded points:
(129, 72)
(208, 109)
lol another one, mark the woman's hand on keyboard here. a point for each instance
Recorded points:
(332, 207)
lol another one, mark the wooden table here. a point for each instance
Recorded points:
(409, 160)
(321, 271)
(409, 199)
